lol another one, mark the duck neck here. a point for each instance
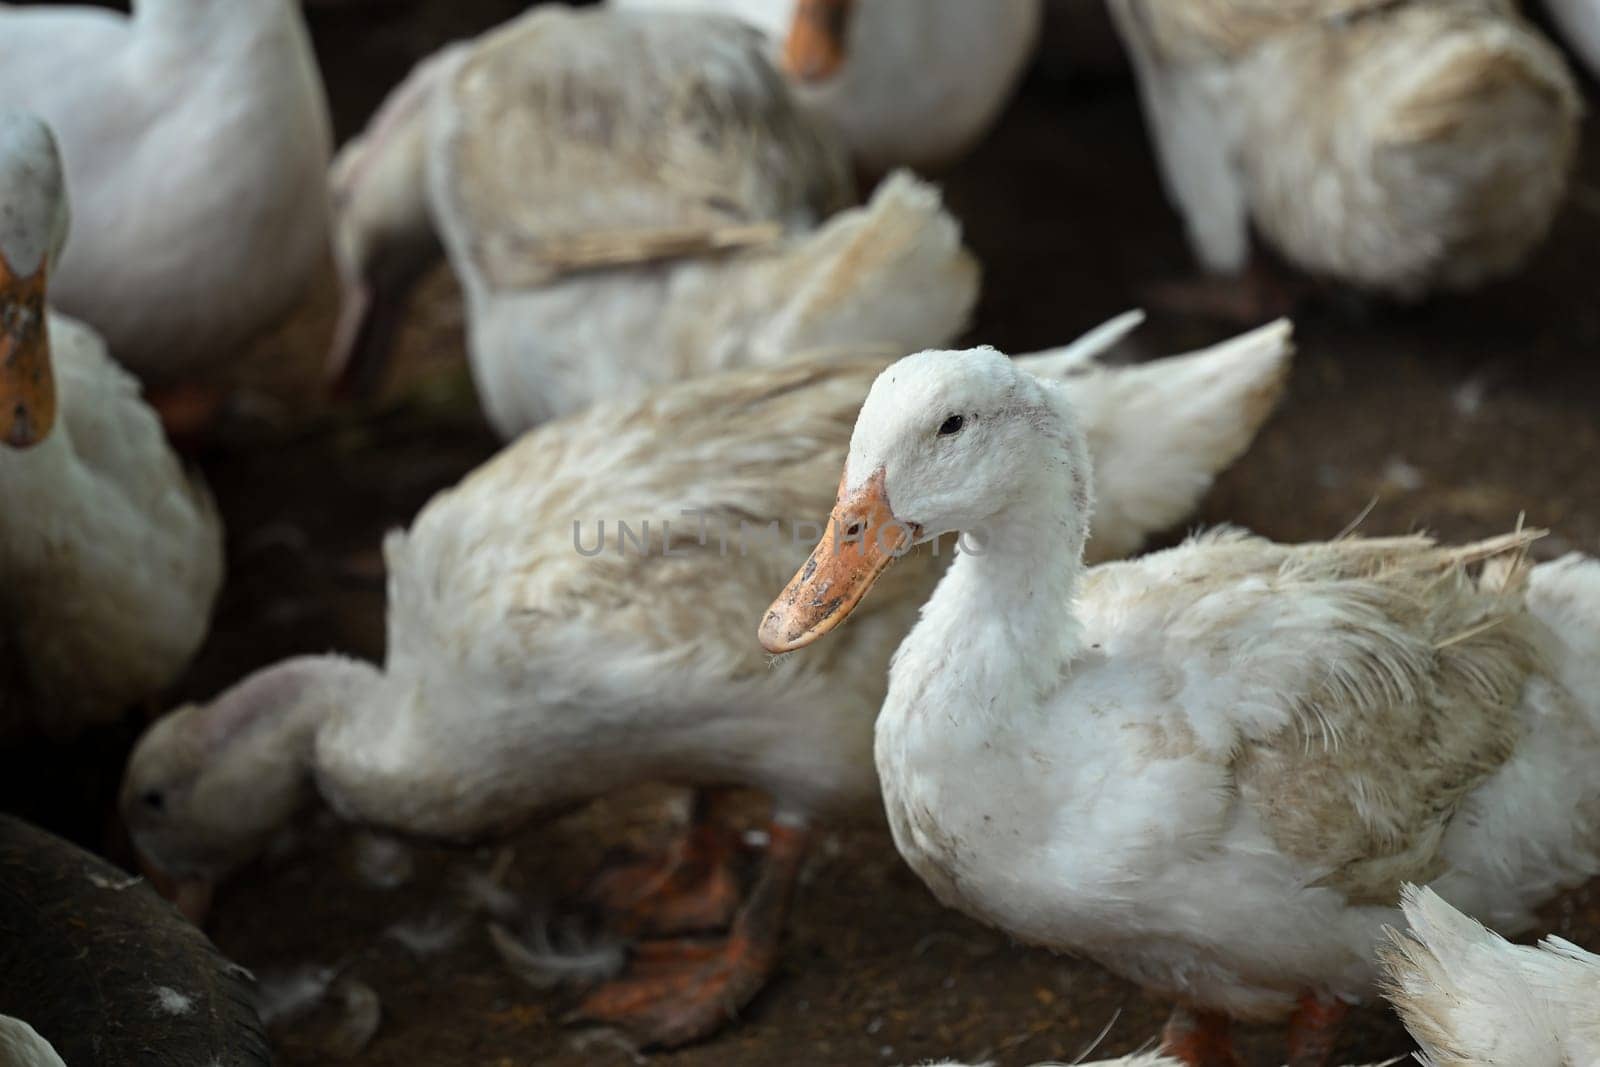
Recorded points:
(275, 715)
(1003, 619)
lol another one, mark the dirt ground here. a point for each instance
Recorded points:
(1454, 417)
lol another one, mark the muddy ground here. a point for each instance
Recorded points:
(1454, 417)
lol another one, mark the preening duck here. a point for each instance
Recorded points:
(1473, 999)
(1210, 769)
(629, 199)
(200, 194)
(110, 569)
(1399, 147)
(909, 83)
(542, 653)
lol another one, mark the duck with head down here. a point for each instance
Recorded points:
(1211, 769)
(110, 570)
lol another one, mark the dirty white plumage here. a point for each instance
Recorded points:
(200, 194)
(525, 673)
(630, 199)
(921, 81)
(1400, 147)
(109, 569)
(1212, 768)
(1473, 999)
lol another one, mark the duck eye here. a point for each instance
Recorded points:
(952, 426)
(153, 799)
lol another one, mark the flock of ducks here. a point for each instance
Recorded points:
(1220, 770)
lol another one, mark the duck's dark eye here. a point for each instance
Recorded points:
(951, 426)
(153, 799)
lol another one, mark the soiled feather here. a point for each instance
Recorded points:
(552, 151)
(1416, 703)
(549, 954)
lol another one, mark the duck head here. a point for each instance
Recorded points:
(209, 786)
(946, 442)
(33, 227)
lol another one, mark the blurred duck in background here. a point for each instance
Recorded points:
(196, 138)
(536, 661)
(909, 83)
(1211, 769)
(110, 554)
(1399, 147)
(629, 199)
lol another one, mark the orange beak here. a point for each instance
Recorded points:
(863, 537)
(27, 386)
(815, 48)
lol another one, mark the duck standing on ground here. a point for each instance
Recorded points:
(629, 199)
(1210, 769)
(110, 554)
(1473, 999)
(909, 83)
(530, 668)
(1400, 147)
(196, 137)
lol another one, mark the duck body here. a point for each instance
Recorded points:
(678, 135)
(1213, 768)
(110, 570)
(1403, 148)
(1473, 999)
(200, 198)
(1263, 882)
(629, 199)
(920, 82)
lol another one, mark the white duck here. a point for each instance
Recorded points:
(535, 661)
(1212, 768)
(196, 140)
(629, 199)
(110, 556)
(1403, 147)
(1473, 999)
(909, 83)
(21, 1046)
